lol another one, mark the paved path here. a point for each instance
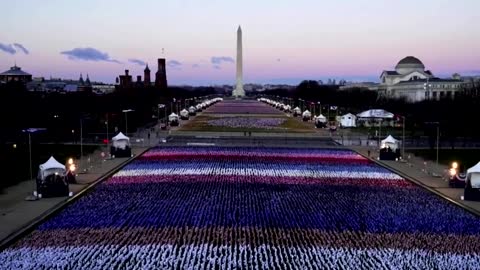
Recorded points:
(17, 213)
(425, 173)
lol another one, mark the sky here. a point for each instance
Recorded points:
(283, 41)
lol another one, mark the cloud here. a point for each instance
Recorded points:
(13, 48)
(138, 62)
(89, 54)
(218, 60)
(8, 48)
(21, 48)
(195, 66)
(278, 59)
(217, 67)
(174, 64)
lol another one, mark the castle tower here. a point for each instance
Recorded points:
(81, 81)
(161, 75)
(126, 80)
(146, 76)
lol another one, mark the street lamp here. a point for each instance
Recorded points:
(379, 131)
(403, 136)
(30, 131)
(126, 121)
(438, 135)
(160, 106)
(106, 124)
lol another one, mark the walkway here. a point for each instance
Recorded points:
(426, 173)
(16, 213)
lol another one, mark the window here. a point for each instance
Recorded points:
(435, 94)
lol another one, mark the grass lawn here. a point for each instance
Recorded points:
(200, 123)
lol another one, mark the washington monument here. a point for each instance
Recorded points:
(238, 91)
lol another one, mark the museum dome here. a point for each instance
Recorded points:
(409, 64)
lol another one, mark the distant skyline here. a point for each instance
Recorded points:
(283, 41)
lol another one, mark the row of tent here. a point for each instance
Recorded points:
(174, 119)
(347, 120)
(52, 165)
(53, 178)
(320, 120)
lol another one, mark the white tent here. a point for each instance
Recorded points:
(184, 113)
(376, 113)
(473, 175)
(52, 163)
(120, 141)
(390, 142)
(173, 117)
(192, 109)
(306, 114)
(50, 167)
(348, 120)
(297, 110)
(321, 119)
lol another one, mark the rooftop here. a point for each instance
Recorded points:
(15, 71)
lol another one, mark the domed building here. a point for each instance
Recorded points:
(408, 65)
(412, 81)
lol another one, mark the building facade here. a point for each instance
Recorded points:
(412, 81)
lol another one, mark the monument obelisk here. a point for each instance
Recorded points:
(238, 91)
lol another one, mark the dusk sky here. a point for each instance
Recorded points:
(284, 41)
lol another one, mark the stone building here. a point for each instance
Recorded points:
(412, 81)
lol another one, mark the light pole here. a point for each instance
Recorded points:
(126, 121)
(30, 131)
(379, 131)
(438, 139)
(108, 138)
(81, 139)
(403, 137)
(160, 106)
(438, 136)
